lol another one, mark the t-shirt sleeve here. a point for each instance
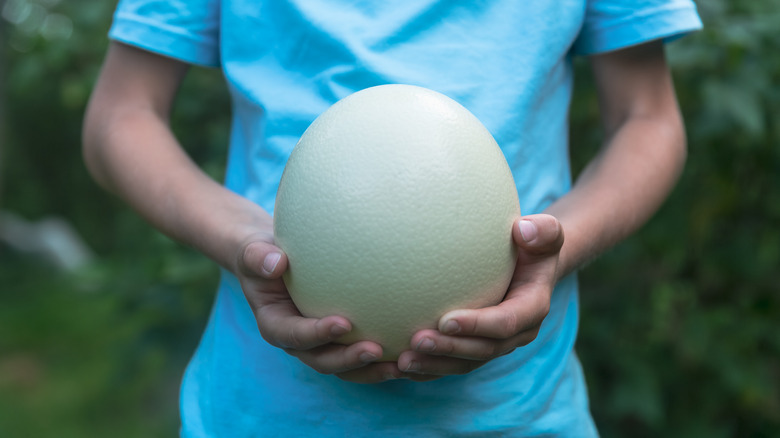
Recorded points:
(615, 24)
(187, 30)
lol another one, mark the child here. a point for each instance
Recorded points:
(261, 369)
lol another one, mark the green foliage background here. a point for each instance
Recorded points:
(679, 332)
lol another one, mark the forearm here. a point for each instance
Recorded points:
(621, 188)
(133, 153)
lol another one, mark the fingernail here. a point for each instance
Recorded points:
(338, 330)
(426, 344)
(528, 230)
(367, 357)
(270, 262)
(451, 327)
(413, 367)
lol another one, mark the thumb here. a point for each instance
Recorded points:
(538, 234)
(262, 258)
(539, 240)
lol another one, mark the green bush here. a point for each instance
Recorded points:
(678, 333)
(679, 330)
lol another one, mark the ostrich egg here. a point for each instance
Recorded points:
(395, 207)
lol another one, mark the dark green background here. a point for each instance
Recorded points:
(679, 329)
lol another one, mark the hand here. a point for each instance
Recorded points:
(468, 339)
(259, 268)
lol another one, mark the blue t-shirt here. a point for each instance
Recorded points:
(285, 62)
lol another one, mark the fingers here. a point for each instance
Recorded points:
(539, 239)
(522, 310)
(283, 326)
(261, 258)
(382, 372)
(438, 355)
(311, 341)
(418, 366)
(335, 358)
(471, 347)
(374, 373)
(260, 266)
(466, 339)
(539, 234)
(435, 354)
(355, 363)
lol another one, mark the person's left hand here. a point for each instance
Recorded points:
(468, 339)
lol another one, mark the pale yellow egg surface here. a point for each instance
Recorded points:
(395, 207)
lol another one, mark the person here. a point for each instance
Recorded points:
(262, 369)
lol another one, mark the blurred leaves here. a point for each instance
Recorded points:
(679, 332)
(100, 351)
(84, 352)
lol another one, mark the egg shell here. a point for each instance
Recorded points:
(395, 207)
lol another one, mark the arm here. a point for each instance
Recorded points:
(642, 158)
(640, 161)
(131, 151)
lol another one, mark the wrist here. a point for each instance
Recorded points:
(576, 250)
(214, 220)
(225, 236)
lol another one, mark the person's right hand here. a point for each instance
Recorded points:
(259, 267)
(130, 150)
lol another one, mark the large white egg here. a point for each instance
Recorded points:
(396, 206)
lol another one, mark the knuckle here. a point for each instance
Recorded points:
(509, 323)
(503, 348)
(248, 255)
(560, 236)
(545, 310)
(487, 352)
(445, 347)
(292, 338)
(317, 365)
(322, 332)
(529, 336)
(495, 351)
(268, 337)
(544, 306)
(554, 235)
